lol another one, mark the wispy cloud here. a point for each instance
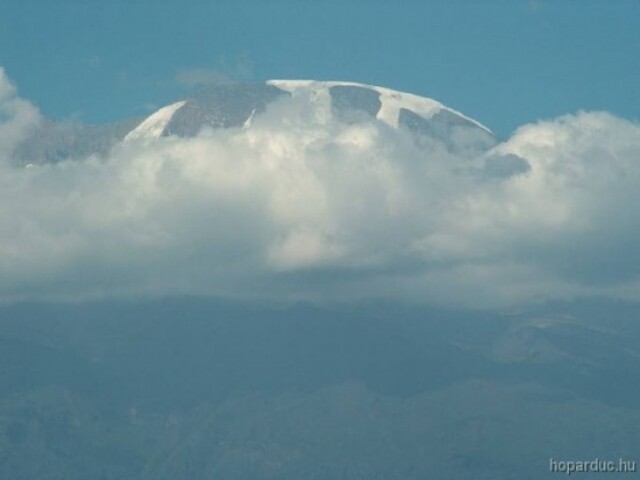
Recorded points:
(240, 69)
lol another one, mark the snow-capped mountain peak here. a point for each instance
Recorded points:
(237, 105)
(240, 105)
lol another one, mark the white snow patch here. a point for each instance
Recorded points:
(249, 121)
(155, 124)
(391, 100)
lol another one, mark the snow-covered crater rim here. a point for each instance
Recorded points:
(391, 100)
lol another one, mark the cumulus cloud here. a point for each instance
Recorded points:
(304, 206)
(17, 116)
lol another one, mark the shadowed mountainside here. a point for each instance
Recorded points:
(196, 388)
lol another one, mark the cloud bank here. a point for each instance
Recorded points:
(301, 207)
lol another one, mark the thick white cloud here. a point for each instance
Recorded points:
(303, 206)
(17, 116)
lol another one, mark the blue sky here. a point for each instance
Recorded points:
(505, 63)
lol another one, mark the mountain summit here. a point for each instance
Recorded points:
(237, 105)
